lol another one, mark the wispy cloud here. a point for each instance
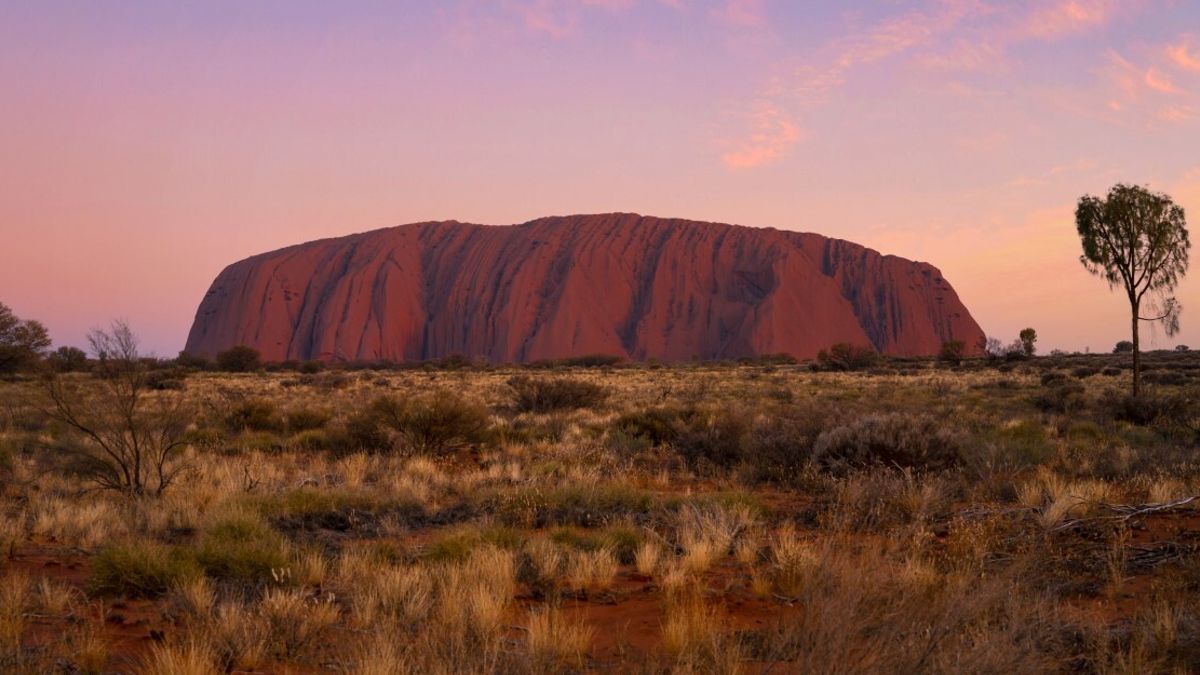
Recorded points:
(742, 12)
(1145, 94)
(1184, 57)
(773, 128)
(1159, 81)
(1069, 17)
(773, 136)
(546, 17)
(561, 19)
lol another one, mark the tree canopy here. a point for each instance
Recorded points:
(21, 342)
(1138, 240)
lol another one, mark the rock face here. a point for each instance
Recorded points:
(616, 284)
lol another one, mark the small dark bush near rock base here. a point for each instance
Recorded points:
(893, 440)
(1085, 371)
(844, 356)
(539, 395)
(952, 352)
(239, 359)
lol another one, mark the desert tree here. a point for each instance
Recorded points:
(1138, 240)
(239, 359)
(1028, 337)
(123, 436)
(21, 342)
(68, 359)
(952, 352)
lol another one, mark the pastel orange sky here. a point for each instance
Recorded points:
(146, 145)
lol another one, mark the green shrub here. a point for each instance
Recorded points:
(844, 357)
(892, 440)
(781, 445)
(312, 440)
(258, 441)
(952, 352)
(654, 425)
(140, 570)
(253, 414)
(540, 395)
(590, 506)
(1145, 409)
(436, 423)
(362, 431)
(1061, 396)
(622, 541)
(457, 545)
(306, 419)
(453, 546)
(240, 359)
(241, 548)
(719, 438)
(1052, 378)
(1017, 446)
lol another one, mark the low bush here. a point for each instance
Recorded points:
(166, 380)
(656, 426)
(240, 359)
(436, 423)
(715, 438)
(457, 544)
(1146, 409)
(1062, 396)
(952, 352)
(361, 432)
(781, 445)
(547, 394)
(140, 570)
(311, 440)
(590, 506)
(1013, 447)
(253, 414)
(257, 441)
(305, 419)
(1052, 378)
(241, 548)
(1168, 377)
(846, 357)
(892, 440)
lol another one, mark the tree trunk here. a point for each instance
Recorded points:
(1137, 360)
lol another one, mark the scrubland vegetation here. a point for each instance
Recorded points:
(997, 515)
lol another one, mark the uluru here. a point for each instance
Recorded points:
(615, 284)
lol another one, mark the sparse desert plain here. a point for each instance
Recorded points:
(541, 337)
(998, 515)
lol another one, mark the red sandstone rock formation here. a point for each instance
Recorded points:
(617, 284)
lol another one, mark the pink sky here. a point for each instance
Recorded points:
(146, 145)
